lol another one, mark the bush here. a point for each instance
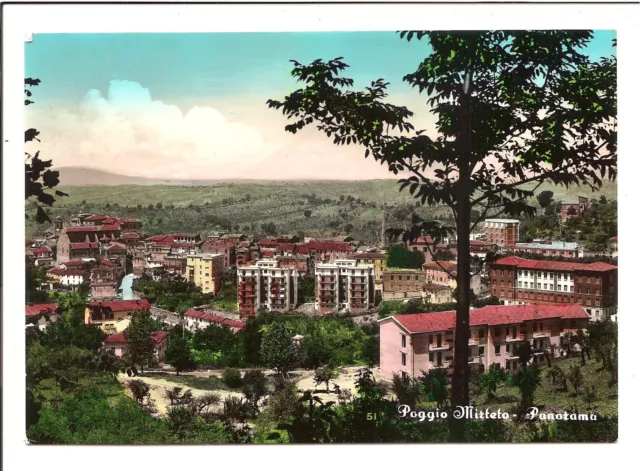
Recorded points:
(232, 378)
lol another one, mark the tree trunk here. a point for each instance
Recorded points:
(460, 381)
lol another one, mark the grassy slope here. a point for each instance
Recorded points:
(548, 396)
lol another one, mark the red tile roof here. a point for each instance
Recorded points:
(330, 246)
(28, 242)
(446, 266)
(434, 287)
(183, 234)
(158, 336)
(490, 316)
(547, 265)
(267, 242)
(84, 246)
(286, 246)
(39, 309)
(268, 253)
(109, 228)
(214, 319)
(107, 263)
(121, 306)
(57, 271)
(116, 248)
(39, 250)
(73, 263)
(97, 217)
(130, 235)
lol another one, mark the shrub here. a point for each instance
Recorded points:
(232, 378)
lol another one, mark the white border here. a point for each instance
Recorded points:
(22, 20)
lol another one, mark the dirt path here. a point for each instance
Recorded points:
(346, 381)
(159, 387)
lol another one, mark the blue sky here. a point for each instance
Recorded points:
(225, 77)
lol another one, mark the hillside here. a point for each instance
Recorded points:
(246, 206)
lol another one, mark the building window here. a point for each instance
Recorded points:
(496, 331)
(431, 357)
(481, 351)
(404, 341)
(392, 277)
(481, 334)
(497, 350)
(519, 284)
(404, 359)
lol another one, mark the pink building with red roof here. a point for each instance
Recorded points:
(117, 343)
(412, 343)
(516, 280)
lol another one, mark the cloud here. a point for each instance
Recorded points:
(128, 132)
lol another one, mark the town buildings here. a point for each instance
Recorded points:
(440, 272)
(502, 232)
(42, 315)
(117, 344)
(104, 281)
(403, 283)
(344, 285)
(266, 286)
(516, 280)
(434, 293)
(67, 277)
(549, 249)
(217, 246)
(205, 270)
(40, 256)
(573, 208)
(379, 261)
(106, 314)
(199, 320)
(412, 343)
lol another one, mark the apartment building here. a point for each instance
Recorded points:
(403, 284)
(198, 320)
(437, 294)
(502, 232)
(205, 270)
(265, 285)
(549, 249)
(379, 262)
(440, 272)
(412, 343)
(42, 315)
(344, 285)
(516, 280)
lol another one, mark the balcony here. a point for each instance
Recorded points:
(474, 361)
(512, 356)
(436, 348)
(543, 334)
(517, 338)
(473, 342)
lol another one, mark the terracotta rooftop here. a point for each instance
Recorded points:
(84, 246)
(489, 316)
(525, 263)
(368, 256)
(39, 309)
(158, 336)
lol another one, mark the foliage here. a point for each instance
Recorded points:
(491, 380)
(545, 198)
(140, 350)
(38, 176)
(530, 100)
(407, 390)
(276, 349)
(232, 378)
(306, 289)
(575, 377)
(434, 383)
(254, 388)
(527, 381)
(324, 375)
(179, 354)
(401, 257)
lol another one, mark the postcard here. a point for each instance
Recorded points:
(321, 237)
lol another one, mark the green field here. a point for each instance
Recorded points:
(247, 206)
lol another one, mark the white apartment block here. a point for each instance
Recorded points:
(344, 285)
(266, 286)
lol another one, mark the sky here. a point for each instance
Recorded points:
(193, 106)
